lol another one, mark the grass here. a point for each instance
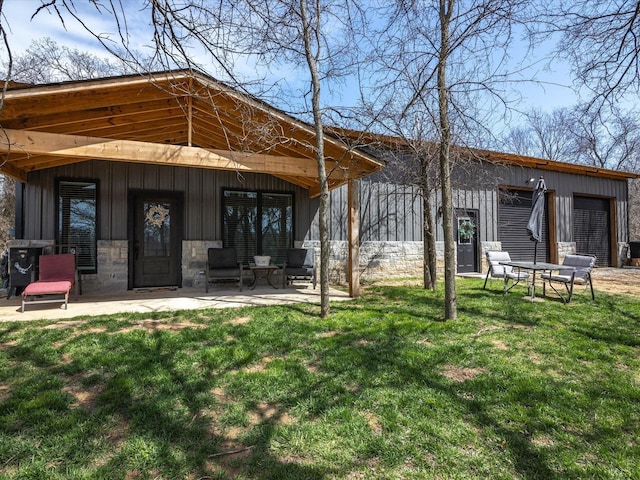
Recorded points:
(381, 389)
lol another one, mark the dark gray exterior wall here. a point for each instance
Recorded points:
(390, 218)
(390, 212)
(202, 190)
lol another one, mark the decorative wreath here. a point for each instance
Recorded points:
(466, 229)
(156, 215)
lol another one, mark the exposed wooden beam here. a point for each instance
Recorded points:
(190, 122)
(73, 146)
(10, 170)
(116, 114)
(19, 106)
(31, 163)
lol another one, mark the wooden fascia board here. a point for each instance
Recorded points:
(41, 162)
(59, 145)
(398, 143)
(553, 165)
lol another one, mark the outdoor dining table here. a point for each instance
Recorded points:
(534, 268)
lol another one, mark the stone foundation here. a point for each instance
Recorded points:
(564, 249)
(17, 243)
(194, 261)
(112, 264)
(488, 247)
(624, 255)
(113, 268)
(377, 260)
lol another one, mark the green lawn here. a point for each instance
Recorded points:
(382, 389)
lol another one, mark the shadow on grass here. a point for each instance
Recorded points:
(229, 399)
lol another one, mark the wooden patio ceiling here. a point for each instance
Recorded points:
(179, 118)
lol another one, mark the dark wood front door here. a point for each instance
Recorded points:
(467, 236)
(155, 253)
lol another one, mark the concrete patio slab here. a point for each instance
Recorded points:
(160, 300)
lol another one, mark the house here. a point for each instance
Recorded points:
(141, 174)
(586, 211)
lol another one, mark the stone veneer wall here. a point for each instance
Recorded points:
(113, 268)
(488, 247)
(17, 243)
(194, 261)
(388, 259)
(377, 260)
(624, 255)
(112, 264)
(564, 249)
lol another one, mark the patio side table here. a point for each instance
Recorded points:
(262, 272)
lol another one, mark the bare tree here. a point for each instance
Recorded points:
(7, 210)
(314, 34)
(600, 39)
(45, 61)
(311, 30)
(308, 38)
(607, 137)
(412, 160)
(445, 64)
(552, 133)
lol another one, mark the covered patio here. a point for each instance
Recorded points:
(162, 300)
(95, 159)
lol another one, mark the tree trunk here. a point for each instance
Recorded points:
(450, 308)
(323, 216)
(428, 233)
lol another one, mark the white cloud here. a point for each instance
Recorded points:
(22, 29)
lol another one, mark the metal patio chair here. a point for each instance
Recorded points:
(577, 273)
(222, 264)
(298, 266)
(504, 272)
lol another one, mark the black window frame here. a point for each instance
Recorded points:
(251, 247)
(86, 250)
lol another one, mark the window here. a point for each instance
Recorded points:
(257, 223)
(77, 220)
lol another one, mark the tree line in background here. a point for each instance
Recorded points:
(434, 73)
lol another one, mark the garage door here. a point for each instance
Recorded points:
(591, 227)
(513, 216)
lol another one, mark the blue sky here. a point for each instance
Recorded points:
(23, 29)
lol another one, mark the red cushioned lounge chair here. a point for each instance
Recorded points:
(57, 277)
